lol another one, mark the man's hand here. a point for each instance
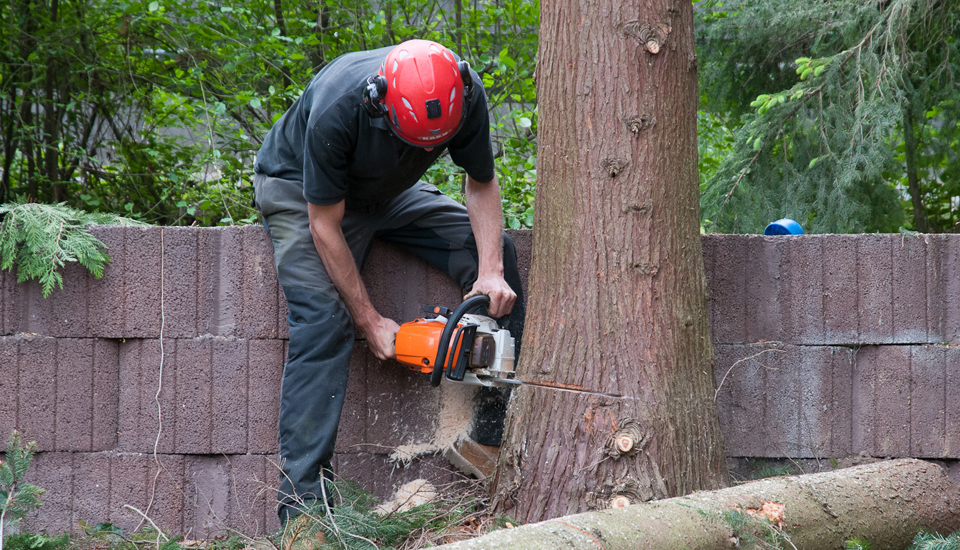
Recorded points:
(501, 295)
(382, 338)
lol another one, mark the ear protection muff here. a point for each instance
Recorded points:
(373, 95)
(467, 80)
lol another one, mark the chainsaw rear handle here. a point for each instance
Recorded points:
(448, 330)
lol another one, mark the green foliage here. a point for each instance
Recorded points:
(36, 541)
(821, 95)
(935, 541)
(39, 239)
(355, 523)
(856, 544)
(155, 109)
(16, 498)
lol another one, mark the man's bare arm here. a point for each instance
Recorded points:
(486, 219)
(380, 331)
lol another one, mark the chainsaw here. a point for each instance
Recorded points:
(459, 346)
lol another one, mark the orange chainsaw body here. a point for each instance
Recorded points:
(418, 343)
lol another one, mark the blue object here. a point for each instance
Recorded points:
(783, 227)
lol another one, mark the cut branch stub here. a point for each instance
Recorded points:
(637, 124)
(628, 440)
(652, 36)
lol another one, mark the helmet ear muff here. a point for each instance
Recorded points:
(467, 80)
(373, 96)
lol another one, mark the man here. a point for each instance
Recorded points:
(342, 167)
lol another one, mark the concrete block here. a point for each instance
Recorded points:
(952, 408)
(229, 408)
(396, 282)
(142, 419)
(740, 397)
(108, 297)
(74, 397)
(131, 477)
(9, 386)
(91, 493)
(803, 319)
(210, 493)
(208, 281)
(231, 259)
(840, 295)
(875, 301)
(142, 283)
(352, 431)
(194, 379)
(928, 392)
(260, 286)
(402, 406)
(64, 313)
(892, 414)
(864, 400)
(180, 292)
(841, 405)
(782, 433)
(909, 289)
(266, 359)
(815, 382)
(169, 492)
(764, 259)
(106, 394)
(37, 384)
(255, 482)
(11, 303)
(949, 286)
(53, 472)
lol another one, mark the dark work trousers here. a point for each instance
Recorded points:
(421, 220)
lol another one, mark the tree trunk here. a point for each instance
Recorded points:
(920, 222)
(884, 504)
(617, 321)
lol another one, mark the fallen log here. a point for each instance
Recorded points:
(885, 504)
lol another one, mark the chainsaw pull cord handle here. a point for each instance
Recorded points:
(448, 330)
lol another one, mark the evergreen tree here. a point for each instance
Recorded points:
(847, 109)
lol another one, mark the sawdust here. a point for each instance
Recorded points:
(453, 424)
(408, 497)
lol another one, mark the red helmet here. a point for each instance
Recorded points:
(425, 87)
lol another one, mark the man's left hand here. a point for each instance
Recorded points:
(501, 295)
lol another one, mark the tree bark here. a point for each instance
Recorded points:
(920, 221)
(617, 321)
(885, 504)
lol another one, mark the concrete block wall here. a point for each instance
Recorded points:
(837, 345)
(156, 387)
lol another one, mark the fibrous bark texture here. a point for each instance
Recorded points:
(617, 326)
(885, 504)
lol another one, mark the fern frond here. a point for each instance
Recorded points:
(39, 239)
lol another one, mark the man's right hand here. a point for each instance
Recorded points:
(382, 337)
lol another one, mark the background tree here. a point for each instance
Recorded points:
(849, 108)
(616, 335)
(154, 109)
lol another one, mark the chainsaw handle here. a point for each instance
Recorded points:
(468, 304)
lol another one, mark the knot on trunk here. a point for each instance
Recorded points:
(623, 492)
(613, 166)
(652, 36)
(637, 124)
